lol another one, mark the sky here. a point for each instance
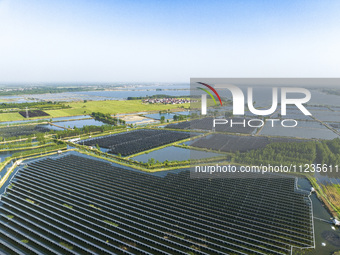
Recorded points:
(166, 41)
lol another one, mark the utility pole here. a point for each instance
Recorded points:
(26, 113)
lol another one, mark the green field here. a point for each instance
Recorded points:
(10, 116)
(112, 107)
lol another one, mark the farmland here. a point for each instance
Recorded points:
(109, 106)
(76, 205)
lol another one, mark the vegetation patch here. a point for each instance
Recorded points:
(332, 192)
(66, 245)
(107, 118)
(30, 201)
(68, 206)
(280, 153)
(111, 223)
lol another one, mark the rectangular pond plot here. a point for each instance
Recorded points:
(79, 123)
(174, 153)
(46, 119)
(207, 124)
(327, 116)
(136, 141)
(232, 143)
(158, 116)
(304, 131)
(22, 130)
(77, 205)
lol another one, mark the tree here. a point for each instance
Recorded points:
(151, 161)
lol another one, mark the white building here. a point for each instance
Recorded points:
(74, 140)
(336, 222)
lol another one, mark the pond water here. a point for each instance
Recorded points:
(174, 153)
(5, 154)
(79, 123)
(99, 95)
(51, 127)
(184, 113)
(157, 116)
(123, 94)
(47, 119)
(3, 172)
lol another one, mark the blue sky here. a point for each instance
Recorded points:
(167, 41)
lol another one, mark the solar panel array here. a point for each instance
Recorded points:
(78, 205)
(136, 141)
(207, 124)
(22, 130)
(233, 143)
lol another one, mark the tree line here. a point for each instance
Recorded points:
(107, 118)
(320, 152)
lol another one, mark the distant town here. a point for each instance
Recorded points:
(167, 101)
